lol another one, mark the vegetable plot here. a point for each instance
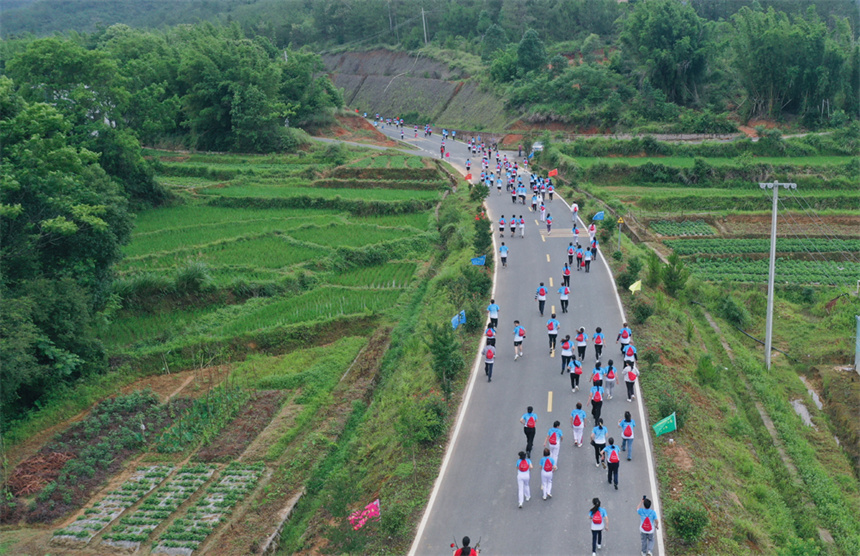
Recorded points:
(788, 271)
(186, 534)
(136, 528)
(684, 228)
(112, 505)
(744, 246)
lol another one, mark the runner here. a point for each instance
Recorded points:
(627, 425)
(540, 296)
(578, 417)
(524, 464)
(519, 336)
(612, 460)
(522, 226)
(624, 336)
(598, 440)
(599, 523)
(596, 401)
(586, 260)
(581, 342)
(529, 421)
(631, 373)
(566, 354)
(565, 275)
(648, 523)
(553, 440)
(503, 254)
(502, 226)
(579, 256)
(571, 251)
(610, 379)
(490, 334)
(547, 466)
(598, 341)
(575, 369)
(564, 297)
(548, 223)
(552, 331)
(493, 311)
(489, 358)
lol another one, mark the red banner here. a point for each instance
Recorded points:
(468, 177)
(553, 173)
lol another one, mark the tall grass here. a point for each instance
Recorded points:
(391, 275)
(273, 190)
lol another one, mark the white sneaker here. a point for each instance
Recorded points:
(610, 397)
(597, 465)
(544, 496)
(599, 547)
(520, 506)
(516, 356)
(528, 498)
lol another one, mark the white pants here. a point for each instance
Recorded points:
(553, 450)
(523, 486)
(522, 231)
(577, 434)
(546, 482)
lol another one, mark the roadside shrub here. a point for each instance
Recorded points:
(483, 240)
(478, 282)
(651, 357)
(630, 274)
(655, 270)
(706, 372)
(670, 400)
(641, 311)
(617, 255)
(475, 315)
(675, 275)
(688, 518)
(478, 193)
(446, 359)
(733, 311)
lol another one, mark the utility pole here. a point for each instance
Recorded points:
(424, 21)
(768, 340)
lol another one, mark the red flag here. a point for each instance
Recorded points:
(468, 177)
(447, 154)
(553, 172)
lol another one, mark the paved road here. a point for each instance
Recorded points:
(477, 492)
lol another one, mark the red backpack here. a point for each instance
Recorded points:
(580, 338)
(570, 250)
(630, 351)
(577, 369)
(550, 326)
(625, 334)
(628, 431)
(577, 421)
(613, 456)
(522, 332)
(598, 397)
(598, 340)
(565, 346)
(553, 438)
(542, 291)
(531, 423)
(547, 465)
(490, 333)
(597, 518)
(610, 373)
(646, 525)
(567, 271)
(523, 465)
(566, 291)
(490, 353)
(632, 375)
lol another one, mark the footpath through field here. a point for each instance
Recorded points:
(476, 492)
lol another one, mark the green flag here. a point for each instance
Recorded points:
(665, 425)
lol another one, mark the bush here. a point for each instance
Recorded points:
(688, 518)
(675, 275)
(630, 274)
(483, 240)
(734, 312)
(706, 372)
(641, 312)
(655, 270)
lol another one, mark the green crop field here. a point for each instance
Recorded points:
(688, 161)
(325, 302)
(275, 191)
(418, 220)
(391, 275)
(190, 215)
(684, 228)
(744, 246)
(352, 235)
(131, 329)
(788, 271)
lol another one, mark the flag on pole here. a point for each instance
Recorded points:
(531, 154)
(635, 286)
(468, 177)
(459, 318)
(462, 316)
(447, 155)
(665, 425)
(598, 216)
(553, 173)
(359, 517)
(479, 261)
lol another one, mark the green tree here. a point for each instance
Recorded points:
(446, 359)
(494, 42)
(558, 64)
(675, 275)
(531, 52)
(62, 220)
(667, 39)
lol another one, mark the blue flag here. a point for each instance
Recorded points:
(455, 322)
(462, 316)
(531, 154)
(479, 261)
(598, 216)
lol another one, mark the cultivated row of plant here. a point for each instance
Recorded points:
(685, 201)
(744, 246)
(204, 419)
(188, 532)
(136, 527)
(788, 271)
(682, 228)
(103, 512)
(386, 161)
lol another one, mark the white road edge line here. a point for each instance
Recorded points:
(463, 406)
(652, 473)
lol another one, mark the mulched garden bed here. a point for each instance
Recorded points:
(238, 435)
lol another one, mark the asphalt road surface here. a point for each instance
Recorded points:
(476, 493)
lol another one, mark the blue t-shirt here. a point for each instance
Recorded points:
(582, 416)
(624, 424)
(599, 335)
(555, 325)
(527, 416)
(609, 450)
(558, 433)
(517, 337)
(543, 462)
(599, 434)
(561, 291)
(503, 250)
(493, 309)
(595, 390)
(651, 515)
(595, 526)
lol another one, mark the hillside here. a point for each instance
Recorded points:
(417, 87)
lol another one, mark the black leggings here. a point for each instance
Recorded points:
(629, 389)
(597, 449)
(596, 407)
(565, 359)
(581, 351)
(574, 380)
(596, 538)
(552, 338)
